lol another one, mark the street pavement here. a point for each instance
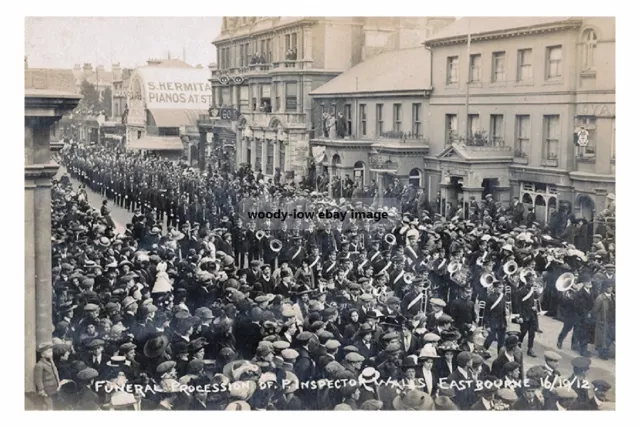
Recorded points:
(600, 369)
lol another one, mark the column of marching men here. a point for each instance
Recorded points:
(202, 308)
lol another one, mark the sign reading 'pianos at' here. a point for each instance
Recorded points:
(173, 88)
(179, 93)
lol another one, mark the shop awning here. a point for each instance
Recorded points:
(223, 132)
(157, 143)
(174, 118)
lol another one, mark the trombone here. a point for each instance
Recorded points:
(482, 305)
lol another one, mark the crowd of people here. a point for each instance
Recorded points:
(199, 306)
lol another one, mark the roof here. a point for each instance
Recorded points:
(103, 77)
(491, 25)
(170, 63)
(394, 71)
(159, 143)
(174, 118)
(460, 152)
(52, 79)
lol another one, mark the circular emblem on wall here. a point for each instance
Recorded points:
(583, 137)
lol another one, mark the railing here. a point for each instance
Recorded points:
(259, 67)
(404, 136)
(295, 64)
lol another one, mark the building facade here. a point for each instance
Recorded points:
(164, 102)
(511, 101)
(377, 118)
(268, 65)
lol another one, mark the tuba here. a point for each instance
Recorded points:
(510, 268)
(453, 267)
(390, 239)
(275, 245)
(566, 282)
(487, 280)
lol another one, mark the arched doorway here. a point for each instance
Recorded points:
(415, 177)
(358, 174)
(585, 207)
(335, 162)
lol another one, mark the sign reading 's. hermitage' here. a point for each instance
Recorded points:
(179, 93)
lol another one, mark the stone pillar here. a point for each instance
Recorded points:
(254, 147)
(300, 106)
(202, 148)
(263, 166)
(276, 155)
(43, 108)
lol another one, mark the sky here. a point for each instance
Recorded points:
(61, 42)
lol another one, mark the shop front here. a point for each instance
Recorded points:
(472, 173)
(163, 108)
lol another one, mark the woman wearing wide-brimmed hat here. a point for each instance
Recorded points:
(447, 364)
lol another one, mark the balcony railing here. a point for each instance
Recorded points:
(295, 64)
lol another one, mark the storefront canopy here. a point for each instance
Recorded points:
(157, 143)
(173, 118)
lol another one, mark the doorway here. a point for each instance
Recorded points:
(489, 185)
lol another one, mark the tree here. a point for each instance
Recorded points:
(92, 102)
(106, 101)
(90, 97)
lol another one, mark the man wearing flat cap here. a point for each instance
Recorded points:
(46, 376)
(597, 396)
(87, 399)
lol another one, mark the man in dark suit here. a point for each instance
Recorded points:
(465, 396)
(529, 401)
(365, 345)
(462, 310)
(251, 332)
(496, 316)
(96, 359)
(527, 296)
(511, 353)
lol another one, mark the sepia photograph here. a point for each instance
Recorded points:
(320, 213)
